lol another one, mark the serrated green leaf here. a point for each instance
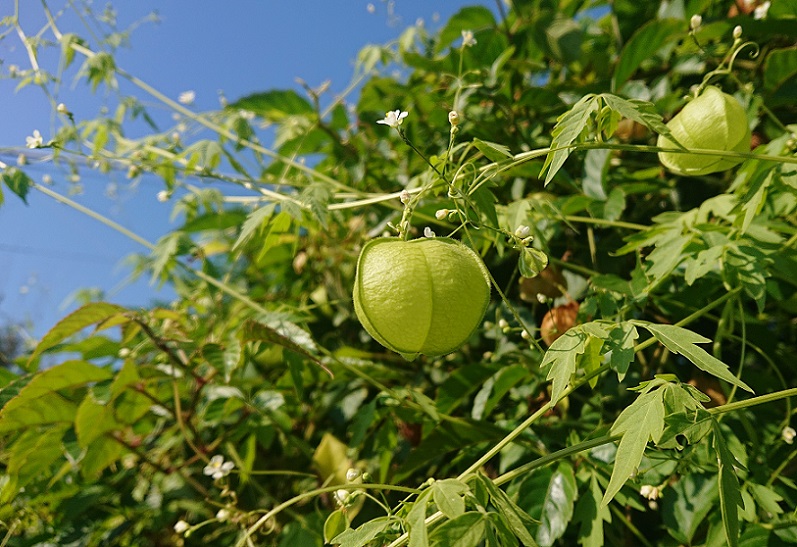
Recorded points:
(467, 530)
(682, 341)
(493, 151)
(274, 106)
(766, 498)
(254, 221)
(503, 535)
(519, 521)
(591, 514)
(728, 485)
(90, 314)
(562, 357)
(448, 495)
(642, 112)
(621, 342)
(569, 127)
(362, 535)
(316, 196)
(640, 422)
(592, 359)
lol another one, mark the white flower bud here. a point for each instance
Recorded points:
(503, 324)
(181, 527)
(789, 434)
(352, 474)
(62, 109)
(440, 214)
(695, 22)
(427, 232)
(453, 118)
(163, 196)
(737, 32)
(522, 231)
(404, 197)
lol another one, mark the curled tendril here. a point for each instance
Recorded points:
(727, 66)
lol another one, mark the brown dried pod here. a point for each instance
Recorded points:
(557, 321)
(550, 283)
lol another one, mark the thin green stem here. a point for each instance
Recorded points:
(753, 401)
(313, 493)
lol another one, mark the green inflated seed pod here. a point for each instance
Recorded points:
(425, 296)
(714, 120)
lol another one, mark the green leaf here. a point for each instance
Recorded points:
(336, 524)
(93, 420)
(485, 200)
(519, 521)
(467, 530)
(682, 341)
(591, 514)
(562, 356)
(447, 494)
(416, 521)
(285, 334)
(331, 461)
(532, 261)
(18, 182)
(644, 44)
(728, 486)
(621, 342)
(99, 455)
(643, 112)
(38, 402)
(502, 535)
(557, 509)
(569, 127)
(473, 18)
(686, 504)
(779, 67)
(274, 105)
(362, 535)
(254, 221)
(316, 196)
(640, 422)
(766, 498)
(493, 151)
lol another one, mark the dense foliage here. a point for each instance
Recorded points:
(633, 392)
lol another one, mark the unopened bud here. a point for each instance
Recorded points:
(404, 197)
(737, 32)
(695, 22)
(453, 118)
(522, 231)
(440, 214)
(62, 109)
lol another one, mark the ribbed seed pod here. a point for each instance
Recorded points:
(425, 296)
(714, 120)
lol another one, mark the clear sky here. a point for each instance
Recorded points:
(48, 250)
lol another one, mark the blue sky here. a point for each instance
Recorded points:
(48, 250)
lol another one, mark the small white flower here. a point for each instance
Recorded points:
(62, 109)
(342, 496)
(124, 353)
(218, 468)
(440, 214)
(427, 232)
(503, 324)
(181, 526)
(405, 197)
(541, 298)
(393, 118)
(35, 141)
(522, 231)
(186, 97)
(453, 118)
(3, 165)
(525, 335)
(650, 492)
(761, 11)
(223, 515)
(737, 32)
(695, 22)
(163, 196)
(467, 38)
(788, 434)
(352, 474)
